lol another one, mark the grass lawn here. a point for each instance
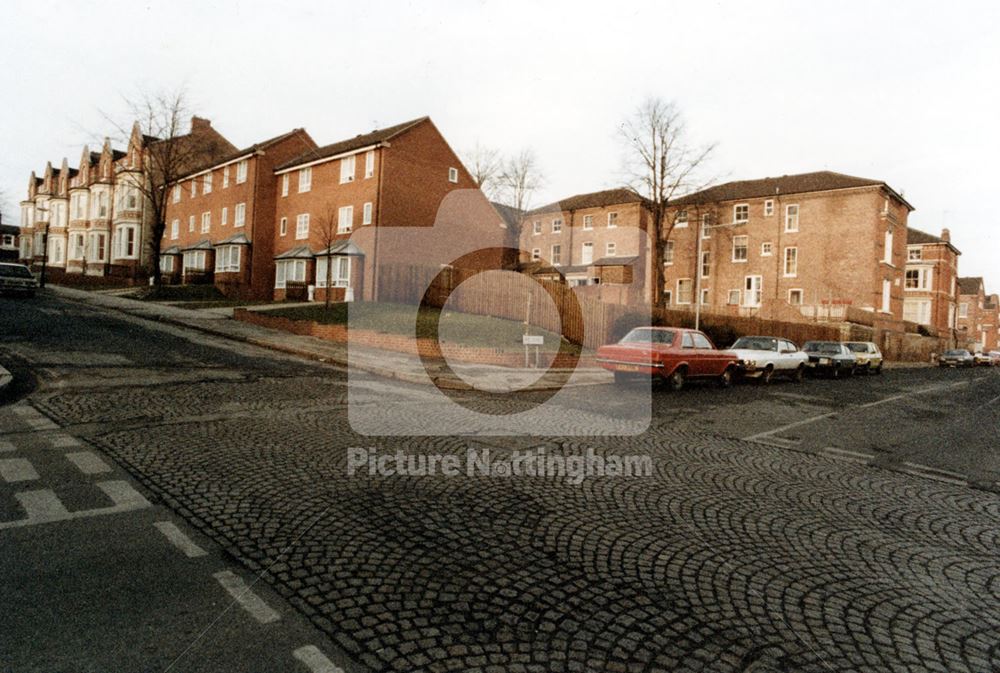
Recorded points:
(461, 328)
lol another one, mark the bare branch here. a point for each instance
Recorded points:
(519, 179)
(485, 165)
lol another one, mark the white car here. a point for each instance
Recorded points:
(763, 358)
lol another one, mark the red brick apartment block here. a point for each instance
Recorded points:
(332, 201)
(930, 283)
(977, 315)
(220, 219)
(591, 239)
(94, 220)
(797, 247)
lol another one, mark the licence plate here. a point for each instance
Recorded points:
(628, 368)
(824, 361)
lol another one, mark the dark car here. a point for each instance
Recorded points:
(671, 354)
(17, 279)
(958, 357)
(830, 357)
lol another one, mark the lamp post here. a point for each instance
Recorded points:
(45, 244)
(697, 272)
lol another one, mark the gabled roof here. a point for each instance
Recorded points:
(970, 285)
(802, 183)
(616, 261)
(301, 252)
(172, 250)
(203, 244)
(607, 197)
(239, 153)
(509, 214)
(357, 142)
(917, 237)
(235, 239)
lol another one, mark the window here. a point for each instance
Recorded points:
(753, 291)
(132, 198)
(706, 264)
(741, 213)
(283, 226)
(240, 216)
(791, 262)
(792, 217)
(588, 222)
(285, 180)
(556, 255)
(289, 271)
(587, 253)
(612, 220)
(769, 208)
(366, 213)
(194, 260)
(302, 226)
(306, 179)
(102, 204)
(76, 246)
(175, 229)
(347, 169)
(682, 219)
(167, 264)
(610, 249)
(888, 247)
(740, 248)
(734, 298)
(536, 228)
(227, 259)
(963, 310)
(536, 254)
(194, 188)
(98, 247)
(206, 222)
(125, 241)
(919, 279)
(556, 226)
(914, 254)
(766, 249)
(685, 289)
(369, 164)
(191, 224)
(345, 220)
(668, 253)
(917, 310)
(706, 231)
(886, 295)
(225, 215)
(225, 177)
(704, 296)
(795, 297)
(339, 271)
(177, 193)
(206, 187)
(241, 172)
(668, 297)
(452, 175)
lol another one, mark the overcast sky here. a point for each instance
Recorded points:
(904, 92)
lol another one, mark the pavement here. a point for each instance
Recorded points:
(388, 364)
(825, 526)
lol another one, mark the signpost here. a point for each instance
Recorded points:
(530, 340)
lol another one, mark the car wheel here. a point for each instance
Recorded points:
(676, 380)
(878, 370)
(726, 380)
(835, 371)
(767, 375)
(799, 374)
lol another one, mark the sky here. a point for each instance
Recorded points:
(902, 92)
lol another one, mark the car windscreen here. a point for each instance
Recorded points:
(14, 271)
(756, 343)
(956, 354)
(646, 335)
(822, 347)
(858, 348)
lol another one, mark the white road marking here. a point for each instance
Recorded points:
(123, 495)
(17, 469)
(848, 455)
(24, 410)
(177, 537)
(42, 423)
(62, 441)
(315, 660)
(6, 446)
(43, 506)
(246, 598)
(88, 462)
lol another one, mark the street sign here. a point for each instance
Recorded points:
(530, 340)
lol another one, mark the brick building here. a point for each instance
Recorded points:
(220, 219)
(333, 200)
(597, 238)
(809, 246)
(991, 322)
(930, 284)
(94, 220)
(972, 313)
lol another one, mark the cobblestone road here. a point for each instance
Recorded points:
(733, 555)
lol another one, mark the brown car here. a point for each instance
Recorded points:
(671, 354)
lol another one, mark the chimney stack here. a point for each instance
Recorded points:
(200, 124)
(946, 235)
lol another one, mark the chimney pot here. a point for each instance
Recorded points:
(946, 235)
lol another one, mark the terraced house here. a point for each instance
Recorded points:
(329, 197)
(593, 239)
(978, 314)
(220, 219)
(814, 246)
(93, 220)
(930, 289)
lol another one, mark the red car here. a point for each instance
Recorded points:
(672, 354)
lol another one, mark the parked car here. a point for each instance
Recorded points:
(670, 354)
(958, 357)
(867, 355)
(982, 359)
(17, 279)
(762, 358)
(830, 357)
(995, 358)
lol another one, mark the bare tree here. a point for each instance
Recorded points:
(6, 209)
(327, 225)
(661, 164)
(519, 179)
(485, 164)
(170, 151)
